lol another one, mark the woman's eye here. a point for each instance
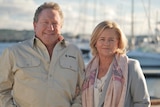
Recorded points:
(111, 40)
(101, 39)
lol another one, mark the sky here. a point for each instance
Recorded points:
(81, 16)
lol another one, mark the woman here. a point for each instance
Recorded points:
(113, 79)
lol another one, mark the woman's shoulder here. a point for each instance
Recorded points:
(134, 66)
(132, 62)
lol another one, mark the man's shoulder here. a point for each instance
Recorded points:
(21, 44)
(71, 45)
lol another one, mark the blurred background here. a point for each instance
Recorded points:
(139, 19)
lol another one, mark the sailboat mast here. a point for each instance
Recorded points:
(95, 12)
(149, 24)
(132, 26)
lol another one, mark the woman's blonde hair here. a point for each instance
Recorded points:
(122, 44)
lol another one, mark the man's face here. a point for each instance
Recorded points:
(48, 26)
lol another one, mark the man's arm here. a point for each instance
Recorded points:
(6, 80)
(77, 102)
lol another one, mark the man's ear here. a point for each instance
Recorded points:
(34, 25)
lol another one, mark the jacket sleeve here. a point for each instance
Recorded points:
(77, 102)
(6, 80)
(139, 89)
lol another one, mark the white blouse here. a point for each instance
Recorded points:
(98, 87)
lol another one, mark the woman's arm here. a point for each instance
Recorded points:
(139, 91)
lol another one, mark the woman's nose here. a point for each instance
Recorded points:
(107, 42)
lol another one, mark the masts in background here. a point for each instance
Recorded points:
(132, 43)
(148, 15)
(157, 30)
(149, 23)
(153, 37)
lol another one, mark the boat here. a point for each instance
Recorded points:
(148, 55)
(152, 77)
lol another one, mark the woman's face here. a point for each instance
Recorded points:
(107, 43)
(48, 27)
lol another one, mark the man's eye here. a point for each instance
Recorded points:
(54, 24)
(45, 22)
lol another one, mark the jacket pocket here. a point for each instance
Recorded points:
(29, 69)
(28, 62)
(69, 61)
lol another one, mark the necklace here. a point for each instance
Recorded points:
(100, 84)
(100, 79)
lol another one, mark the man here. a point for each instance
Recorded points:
(45, 71)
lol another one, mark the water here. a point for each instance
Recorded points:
(153, 87)
(4, 45)
(152, 81)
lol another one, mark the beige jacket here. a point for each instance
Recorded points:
(28, 78)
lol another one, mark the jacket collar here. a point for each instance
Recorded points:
(33, 41)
